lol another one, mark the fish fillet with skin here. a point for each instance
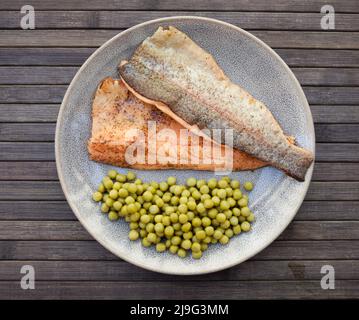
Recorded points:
(170, 68)
(116, 111)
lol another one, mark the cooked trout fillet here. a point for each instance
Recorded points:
(170, 68)
(116, 112)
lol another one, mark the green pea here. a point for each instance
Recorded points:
(224, 205)
(229, 233)
(212, 213)
(117, 205)
(226, 224)
(206, 221)
(121, 177)
(97, 196)
(150, 227)
(217, 234)
(221, 193)
(143, 233)
(132, 188)
(174, 201)
(185, 193)
(197, 255)
(167, 197)
(251, 217)
(171, 181)
(159, 203)
(196, 247)
(243, 202)
(158, 218)
(159, 228)
(208, 203)
(112, 174)
(131, 176)
(181, 253)
(201, 234)
(133, 235)
(191, 205)
(182, 208)
(245, 226)
(151, 237)
(183, 200)
(163, 186)
(129, 200)
(236, 212)
(183, 218)
(154, 209)
(200, 208)
(145, 242)
(173, 249)
(113, 194)
(204, 189)
(241, 219)
(196, 222)
(221, 217)
(204, 246)
(186, 244)
(212, 183)
(101, 188)
(245, 211)
(108, 184)
(191, 182)
(233, 221)
(186, 227)
(248, 186)
(122, 193)
(224, 239)
(235, 184)
(112, 215)
(145, 218)
(169, 231)
(237, 194)
(173, 217)
(190, 215)
(222, 184)
(109, 202)
(196, 195)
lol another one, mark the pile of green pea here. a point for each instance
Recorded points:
(175, 217)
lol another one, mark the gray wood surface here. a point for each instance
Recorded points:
(37, 226)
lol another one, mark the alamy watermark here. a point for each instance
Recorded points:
(28, 20)
(327, 22)
(28, 280)
(328, 280)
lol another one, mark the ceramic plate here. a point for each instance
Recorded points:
(248, 62)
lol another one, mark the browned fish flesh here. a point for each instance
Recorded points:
(116, 111)
(170, 68)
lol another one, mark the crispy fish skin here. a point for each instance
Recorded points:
(116, 110)
(169, 67)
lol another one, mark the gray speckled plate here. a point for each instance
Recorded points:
(248, 62)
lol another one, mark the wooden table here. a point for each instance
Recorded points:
(37, 226)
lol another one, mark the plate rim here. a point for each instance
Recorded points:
(224, 266)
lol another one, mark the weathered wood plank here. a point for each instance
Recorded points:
(54, 94)
(123, 271)
(27, 131)
(92, 250)
(51, 190)
(27, 151)
(334, 114)
(337, 190)
(44, 151)
(48, 113)
(337, 132)
(73, 230)
(29, 112)
(63, 75)
(60, 211)
(96, 37)
(77, 56)
(337, 152)
(37, 75)
(31, 190)
(336, 171)
(46, 132)
(36, 210)
(328, 210)
(332, 95)
(125, 19)
(30, 170)
(349, 6)
(344, 289)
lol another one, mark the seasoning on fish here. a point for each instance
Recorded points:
(170, 68)
(117, 112)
